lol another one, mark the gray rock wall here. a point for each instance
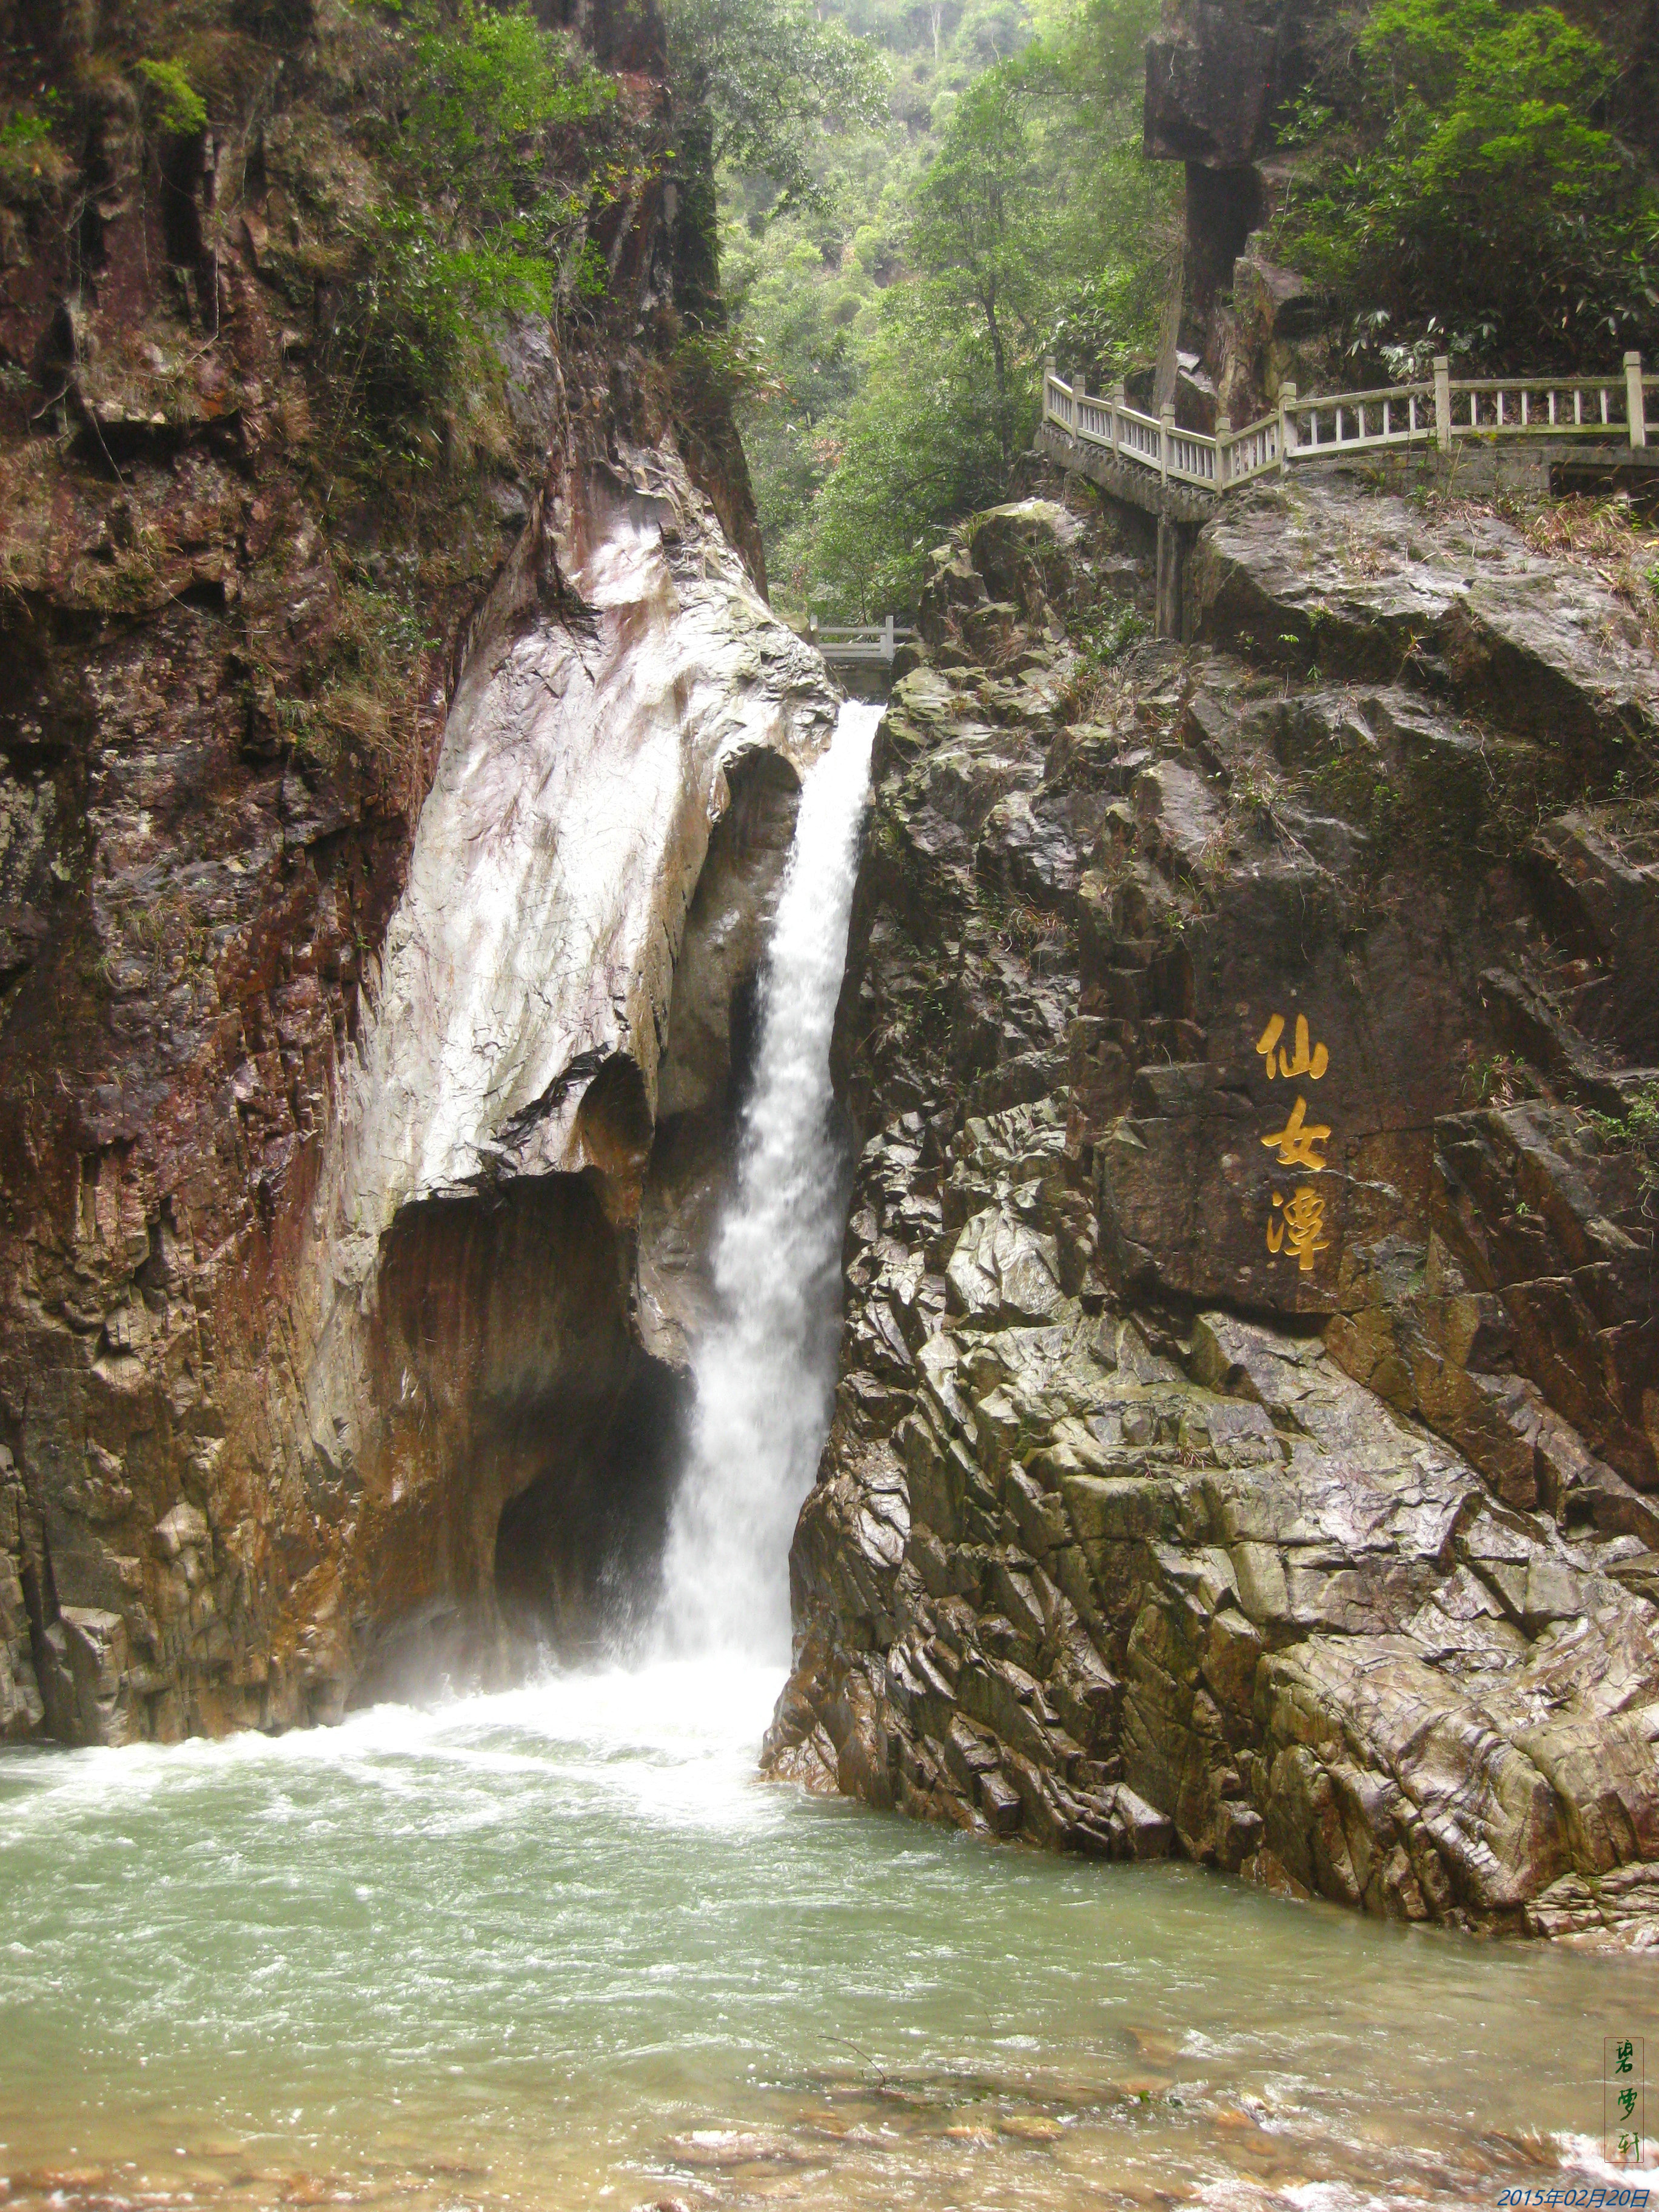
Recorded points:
(1245, 1439)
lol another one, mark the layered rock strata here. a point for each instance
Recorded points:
(1245, 1442)
(325, 1322)
(458, 1415)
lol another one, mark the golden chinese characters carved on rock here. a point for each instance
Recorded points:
(1295, 1142)
(1298, 1227)
(1299, 1230)
(1300, 1061)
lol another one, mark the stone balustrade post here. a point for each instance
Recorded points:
(1047, 371)
(1443, 422)
(1635, 406)
(1120, 400)
(1287, 426)
(1224, 449)
(1165, 439)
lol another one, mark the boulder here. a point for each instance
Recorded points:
(1322, 573)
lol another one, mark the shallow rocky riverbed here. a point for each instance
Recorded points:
(561, 1948)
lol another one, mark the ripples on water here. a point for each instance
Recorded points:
(560, 1949)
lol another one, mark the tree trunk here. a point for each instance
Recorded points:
(988, 300)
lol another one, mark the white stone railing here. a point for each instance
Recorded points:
(871, 643)
(1440, 412)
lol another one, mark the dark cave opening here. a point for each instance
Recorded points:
(743, 1029)
(531, 1441)
(579, 1549)
(1224, 206)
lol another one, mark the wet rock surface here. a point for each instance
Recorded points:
(253, 1437)
(1245, 1439)
(501, 1385)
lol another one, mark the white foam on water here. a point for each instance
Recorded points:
(765, 1371)
(676, 1740)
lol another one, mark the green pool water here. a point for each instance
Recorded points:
(561, 1948)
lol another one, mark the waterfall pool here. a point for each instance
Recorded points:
(560, 1947)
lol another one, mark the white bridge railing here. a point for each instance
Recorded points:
(1442, 412)
(868, 645)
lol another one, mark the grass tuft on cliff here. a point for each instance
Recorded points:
(480, 126)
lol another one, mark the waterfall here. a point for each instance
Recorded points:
(765, 1371)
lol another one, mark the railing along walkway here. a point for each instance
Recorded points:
(1443, 410)
(871, 645)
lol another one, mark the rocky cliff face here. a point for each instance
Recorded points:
(509, 1252)
(1222, 78)
(323, 1142)
(1218, 81)
(1247, 1441)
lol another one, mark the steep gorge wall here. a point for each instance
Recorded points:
(514, 1059)
(292, 1306)
(1247, 1441)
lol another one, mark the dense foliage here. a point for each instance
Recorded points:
(455, 158)
(1465, 192)
(484, 203)
(1004, 209)
(768, 75)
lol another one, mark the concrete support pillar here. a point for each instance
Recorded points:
(1172, 576)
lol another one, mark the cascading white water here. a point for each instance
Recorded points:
(765, 1372)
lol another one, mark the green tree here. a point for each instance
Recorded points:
(759, 80)
(919, 446)
(793, 318)
(1121, 219)
(977, 233)
(1005, 207)
(484, 216)
(1466, 189)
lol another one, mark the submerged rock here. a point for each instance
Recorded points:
(1245, 1441)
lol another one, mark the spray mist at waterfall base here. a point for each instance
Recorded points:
(765, 1372)
(561, 1948)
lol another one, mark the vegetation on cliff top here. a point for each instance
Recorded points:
(406, 183)
(482, 128)
(920, 198)
(1463, 191)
